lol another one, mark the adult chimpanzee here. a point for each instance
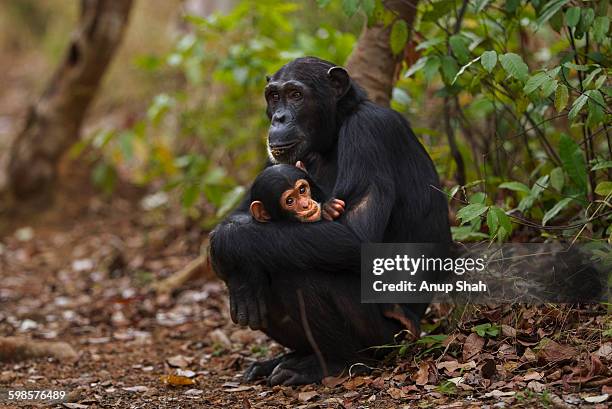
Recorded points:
(286, 192)
(280, 273)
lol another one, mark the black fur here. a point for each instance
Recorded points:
(366, 155)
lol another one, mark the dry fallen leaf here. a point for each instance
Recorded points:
(532, 376)
(498, 394)
(422, 376)
(536, 386)
(597, 399)
(176, 380)
(552, 351)
(333, 381)
(354, 383)
(605, 351)
(307, 396)
(395, 393)
(178, 361)
(452, 366)
(239, 389)
(473, 345)
(139, 388)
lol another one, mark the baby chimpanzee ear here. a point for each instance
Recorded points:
(259, 213)
(340, 79)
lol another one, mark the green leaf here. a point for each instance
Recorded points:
(431, 67)
(459, 48)
(577, 106)
(488, 59)
(534, 82)
(539, 186)
(514, 66)
(368, 7)
(480, 5)
(429, 43)
(479, 197)
(229, 200)
(104, 176)
(600, 81)
(595, 104)
(190, 195)
(536, 190)
(498, 222)
(350, 7)
(587, 18)
(600, 29)
(560, 205)
(417, 66)
(516, 186)
(572, 16)
(549, 10)
(399, 36)
(577, 67)
(439, 9)
(604, 188)
(470, 212)
(602, 165)
(561, 98)
(557, 179)
(587, 81)
(549, 87)
(573, 161)
(492, 222)
(449, 68)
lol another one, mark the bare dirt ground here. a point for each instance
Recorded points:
(82, 272)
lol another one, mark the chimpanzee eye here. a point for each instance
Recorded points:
(275, 96)
(289, 201)
(302, 189)
(296, 95)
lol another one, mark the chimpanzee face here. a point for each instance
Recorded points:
(302, 98)
(298, 202)
(291, 114)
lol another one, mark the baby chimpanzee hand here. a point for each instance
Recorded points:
(332, 209)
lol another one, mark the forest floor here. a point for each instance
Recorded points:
(82, 274)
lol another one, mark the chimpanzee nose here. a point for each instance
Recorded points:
(278, 118)
(304, 203)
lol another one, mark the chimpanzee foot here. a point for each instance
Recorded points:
(301, 370)
(263, 369)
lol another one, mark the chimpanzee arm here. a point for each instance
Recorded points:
(365, 170)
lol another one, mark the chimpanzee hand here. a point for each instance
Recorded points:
(248, 301)
(332, 209)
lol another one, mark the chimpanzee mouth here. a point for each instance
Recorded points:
(312, 215)
(285, 153)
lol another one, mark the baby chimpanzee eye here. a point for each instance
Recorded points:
(289, 201)
(302, 189)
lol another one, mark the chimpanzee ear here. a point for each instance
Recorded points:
(268, 78)
(340, 80)
(259, 212)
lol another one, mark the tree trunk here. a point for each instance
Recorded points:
(372, 64)
(53, 123)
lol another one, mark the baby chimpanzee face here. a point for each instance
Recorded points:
(299, 202)
(285, 192)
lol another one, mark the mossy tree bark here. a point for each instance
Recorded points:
(372, 63)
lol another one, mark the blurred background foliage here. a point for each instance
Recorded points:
(510, 98)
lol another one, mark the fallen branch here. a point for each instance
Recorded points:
(14, 349)
(200, 267)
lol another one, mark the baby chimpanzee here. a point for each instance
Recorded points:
(285, 192)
